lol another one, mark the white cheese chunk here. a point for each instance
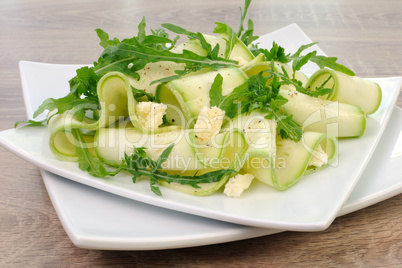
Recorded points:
(237, 184)
(209, 122)
(319, 157)
(150, 114)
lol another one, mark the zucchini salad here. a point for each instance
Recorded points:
(211, 113)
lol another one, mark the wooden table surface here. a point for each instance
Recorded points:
(366, 35)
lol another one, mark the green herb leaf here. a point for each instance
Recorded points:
(86, 161)
(128, 56)
(248, 36)
(268, 100)
(258, 94)
(69, 102)
(212, 53)
(139, 164)
(230, 103)
(139, 94)
(104, 39)
(141, 31)
(231, 40)
(277, 53)
(243, 13)
(30, 122)
(330, 62)
(163, 157)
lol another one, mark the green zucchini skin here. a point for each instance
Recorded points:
(117, 104)
(239, 49)
(324, 116)
(291, 159)
(186, 96)
(348, 89)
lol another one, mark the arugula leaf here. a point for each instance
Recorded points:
(320, 90)
(269, 101)
(128, 56)
(104, 39)
(140, 164)
(285, 79)
(215, 93)
(277, 53)
(287, 128)
(141, 30)
(230, 103)
(84, 83)
(330, 62)
(248, 36)
(86, 161)
(301, 49)
(162, 158)
(82, 96)
(212, 53)
(223, 28)
(69, 102)
(138, 94)
(299, 62)
(258, 94)
(243, 16)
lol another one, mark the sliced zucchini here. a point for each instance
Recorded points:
(324, 116)
(186, 157)
(152, 72)
(347, 89)
(186, 96)
(112, 143)
(291, 160)
(231, 156)
(240, 52)
(117, 105)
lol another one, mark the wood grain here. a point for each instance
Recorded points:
(365, 35)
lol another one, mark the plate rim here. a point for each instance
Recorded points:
(237, 233)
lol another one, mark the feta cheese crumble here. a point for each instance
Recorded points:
(150, 114)
(209, 122)
(237, 184)
(319, 157)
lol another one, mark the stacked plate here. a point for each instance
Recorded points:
(118, 214)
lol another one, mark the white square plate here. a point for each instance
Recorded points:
(310, 205)
(118, 223)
